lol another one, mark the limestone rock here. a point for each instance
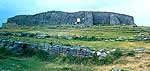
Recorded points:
(139, 50)
(116, 69)
(87, 18)
(103, 53)
(48, 47)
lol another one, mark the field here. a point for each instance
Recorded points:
(125, 38)
(106, 32)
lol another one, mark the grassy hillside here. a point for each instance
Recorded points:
(98, 32)
(10, 61)
(90, 38)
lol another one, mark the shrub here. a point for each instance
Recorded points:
(93, 38)
(42, 55)
(67, 44)
(60, 58)
(66, 69)
(131, 53)
(28, 52)
(107, 60)
(4, 52)
(87, 38)
(117, 54)
(74, 60)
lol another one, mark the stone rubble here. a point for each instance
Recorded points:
(143, 37)
(139, 50)
(118, 69)
(43, 36)
(103, 53)
(53, 48)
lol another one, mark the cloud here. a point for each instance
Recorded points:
(64, 2)
(137, 8)
(66, 5)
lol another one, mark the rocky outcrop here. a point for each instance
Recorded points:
(87, 18)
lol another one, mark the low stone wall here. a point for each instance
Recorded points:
(48, 47)
(42, 36)
(62, 49)
(55, 49)
(143, 37)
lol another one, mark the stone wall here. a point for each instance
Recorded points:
(101, 18)
(112, 18)
(140, 37)
(54, 48)
(58, 18)
(48, 47)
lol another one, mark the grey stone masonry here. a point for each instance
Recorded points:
(54, 48)
(87, 18)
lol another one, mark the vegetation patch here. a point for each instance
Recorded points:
(95, 38)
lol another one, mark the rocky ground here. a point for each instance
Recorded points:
(109, 48)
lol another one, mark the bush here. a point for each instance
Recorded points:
(42, 55)
(66, 69)
(107, 60)
(60, 58)
(87, 38)
(110, 58)
(28, 52)
(93, 38)
(67, 44)
(5, 53)
(131, 53)
(73, 60)
(117, 54)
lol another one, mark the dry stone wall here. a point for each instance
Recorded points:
(87, 18)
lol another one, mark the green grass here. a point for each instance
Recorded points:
(14, 62)
(102, 31)
(31, 64)
(91, 44)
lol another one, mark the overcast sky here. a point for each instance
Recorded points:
(140, 9)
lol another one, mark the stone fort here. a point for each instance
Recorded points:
(82, 17)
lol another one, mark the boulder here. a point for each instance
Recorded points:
(40, 36)
(103, 53)
(116, 69)
(139, 50)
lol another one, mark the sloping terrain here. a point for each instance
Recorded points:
(125, 38)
